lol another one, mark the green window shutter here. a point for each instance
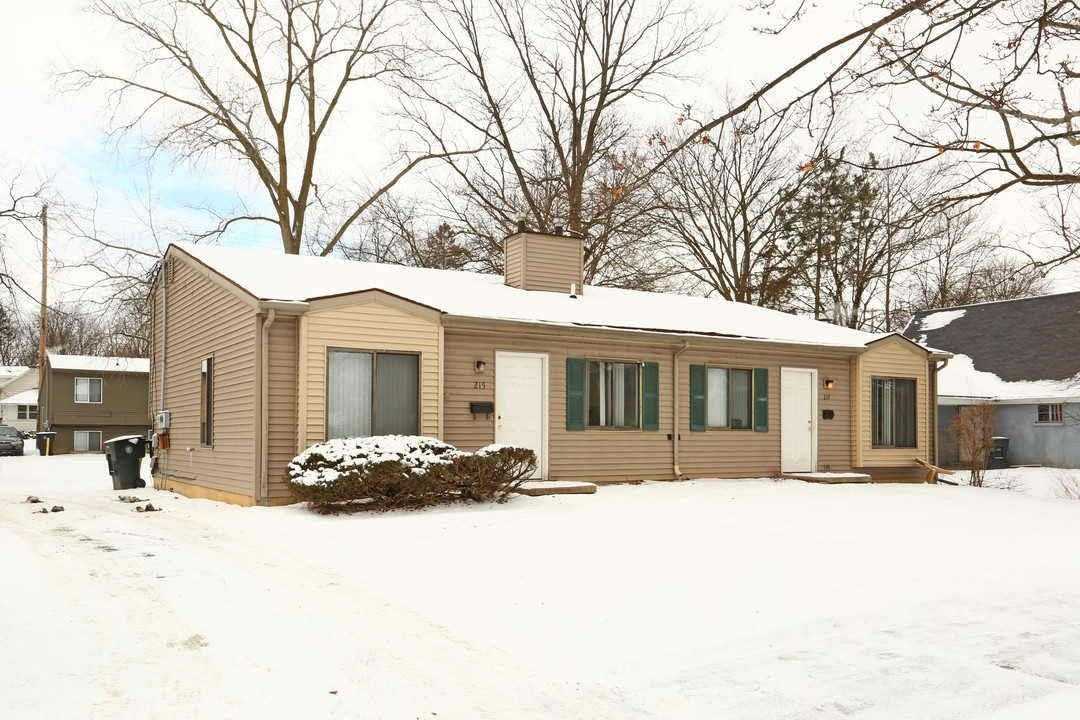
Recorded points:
(697, 397)
(650, 396)
(761, 399)
(576, 379)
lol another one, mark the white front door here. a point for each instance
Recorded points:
(521, 404)
(798, 429)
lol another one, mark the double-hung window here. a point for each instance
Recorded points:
(614, 394)
(27, 412)
(87, 390)
(1050, 413)
(206, 401)
(892, 412)
(372, 393)
(729, 397)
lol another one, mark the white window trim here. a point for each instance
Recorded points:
(1050, 423)
(88, 401)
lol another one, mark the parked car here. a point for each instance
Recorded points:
(11, 443)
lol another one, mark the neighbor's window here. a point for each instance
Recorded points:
(87, 390)
(372, 393)
(206, 402)
(613, 394)
(1050, 413)
(87, 441)
(729, 397)
(27, 412)
(892, 412)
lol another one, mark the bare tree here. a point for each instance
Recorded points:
(402, 231)
(260, 83)
(971, 432)
(549, 86)
(963, 265)
(998, 77)
(21, 208)
(724, 204)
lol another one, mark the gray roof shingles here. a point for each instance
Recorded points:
(1030, 339)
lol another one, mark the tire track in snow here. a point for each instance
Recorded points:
(221, 622)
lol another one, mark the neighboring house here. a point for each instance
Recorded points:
(19, 399)
(86, 400)
(1024, 357)
(266, 354)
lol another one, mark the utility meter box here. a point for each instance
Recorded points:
(163, 419)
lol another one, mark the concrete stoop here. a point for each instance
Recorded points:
(556, 487)
(829, 477)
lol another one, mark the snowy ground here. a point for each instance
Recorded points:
(707, 599)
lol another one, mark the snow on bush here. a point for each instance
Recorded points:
(404, 471)
(325, 462)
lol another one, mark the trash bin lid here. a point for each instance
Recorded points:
(129, 438)
(45, 433)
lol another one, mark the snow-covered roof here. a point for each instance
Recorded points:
(26, 397)
(291, 278)
(10, 372)
(960, 384)
(93, 363)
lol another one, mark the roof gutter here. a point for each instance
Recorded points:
(675, 408)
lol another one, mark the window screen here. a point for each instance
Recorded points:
(372, 394)
(892, 412)
(613, 394)
(729, 397)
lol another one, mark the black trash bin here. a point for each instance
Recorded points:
(999, 453)
(46, 443)
(124, 455)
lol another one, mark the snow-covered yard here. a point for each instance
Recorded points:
(706, 599)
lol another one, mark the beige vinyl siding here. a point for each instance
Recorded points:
(514, 261)
(373, 326)
(543, 262)
(607, 454)
(893, 358)
(553, 263)
(206, 318)
(281, 420)
(725, 452)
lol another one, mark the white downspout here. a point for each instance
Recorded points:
(933, 427)
(675, 408)
(164, 476)
(264, 447)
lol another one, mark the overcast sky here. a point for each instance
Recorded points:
(63, 134)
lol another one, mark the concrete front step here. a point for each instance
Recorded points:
(556, 487)
(829, 477)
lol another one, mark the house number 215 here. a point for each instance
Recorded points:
(480, 385)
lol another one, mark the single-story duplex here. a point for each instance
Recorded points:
(257, 356)
(1023, 357)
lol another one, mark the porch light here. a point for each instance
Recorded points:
(479, 365)
(828, 384)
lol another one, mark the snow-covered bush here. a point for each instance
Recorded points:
(492, 472)
(385, 471)
(404, 471)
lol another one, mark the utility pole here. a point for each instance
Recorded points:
(44, 300)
